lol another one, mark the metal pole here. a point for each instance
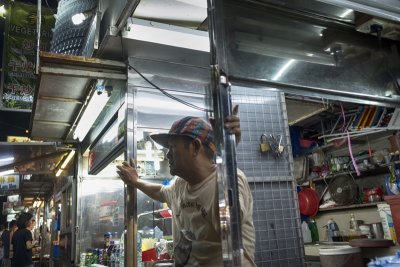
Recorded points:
(130, 192)
(229, 206)
(38, 32)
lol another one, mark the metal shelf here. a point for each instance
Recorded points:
(354, 206)
(377, 170)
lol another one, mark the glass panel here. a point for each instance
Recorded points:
(101, 204)
(154, 221)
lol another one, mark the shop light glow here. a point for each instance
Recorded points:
(65, 163)
(59, 172)
(92, 111)
(8, 172)
(2, 11)
(78, 19)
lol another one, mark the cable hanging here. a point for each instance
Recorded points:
(168, 94)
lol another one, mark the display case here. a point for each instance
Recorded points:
(101, 217)
(154, 220)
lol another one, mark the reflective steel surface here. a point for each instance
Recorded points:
(268, 44)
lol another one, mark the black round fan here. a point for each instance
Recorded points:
(343, 190)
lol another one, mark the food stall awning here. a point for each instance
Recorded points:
(35, 162)
(63, 85)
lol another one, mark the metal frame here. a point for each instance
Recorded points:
(231, 235)
(130, 192)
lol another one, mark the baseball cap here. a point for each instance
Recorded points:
(192, 127)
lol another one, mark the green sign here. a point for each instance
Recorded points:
(20, 53)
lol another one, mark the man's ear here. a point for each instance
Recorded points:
(196, 146)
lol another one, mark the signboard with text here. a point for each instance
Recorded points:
(19, 79)
(9, 182)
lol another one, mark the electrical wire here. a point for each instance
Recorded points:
(168, 94)
(158, 88)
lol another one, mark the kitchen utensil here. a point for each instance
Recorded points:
(308, 202)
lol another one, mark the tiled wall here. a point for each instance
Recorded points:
(276, 216)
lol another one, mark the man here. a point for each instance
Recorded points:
(5, 240)
(193, 196)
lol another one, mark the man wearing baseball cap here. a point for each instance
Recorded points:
(193, 195)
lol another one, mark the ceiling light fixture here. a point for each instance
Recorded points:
(65, 163)
(154, 32)
(93, 109)
(79, 18)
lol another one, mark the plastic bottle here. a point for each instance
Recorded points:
(306, 232)
(110, 252)
(332, 229)
(314, 230)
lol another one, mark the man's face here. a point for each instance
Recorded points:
(178, 155)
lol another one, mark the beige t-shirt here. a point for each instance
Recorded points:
(196, 226)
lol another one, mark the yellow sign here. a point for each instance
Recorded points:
(9, 182)
(18, 139)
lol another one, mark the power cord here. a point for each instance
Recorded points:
(168, 94)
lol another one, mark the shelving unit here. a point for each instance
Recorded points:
(377, 170)
(354, 206)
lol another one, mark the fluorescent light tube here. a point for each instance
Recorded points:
(7, 159)
(92, 111)
(154, 32)
(59, 172)
(6, 172)
(67, 159)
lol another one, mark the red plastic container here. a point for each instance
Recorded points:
(394, 203)
(149, 255)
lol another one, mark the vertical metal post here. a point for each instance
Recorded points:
(229, 206)
(130, 192)
(38, 32)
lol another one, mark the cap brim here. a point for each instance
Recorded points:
(164, 138)
(161, 139)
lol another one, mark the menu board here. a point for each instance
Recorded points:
(20, 53)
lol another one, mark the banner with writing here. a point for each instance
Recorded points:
(19, 80)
